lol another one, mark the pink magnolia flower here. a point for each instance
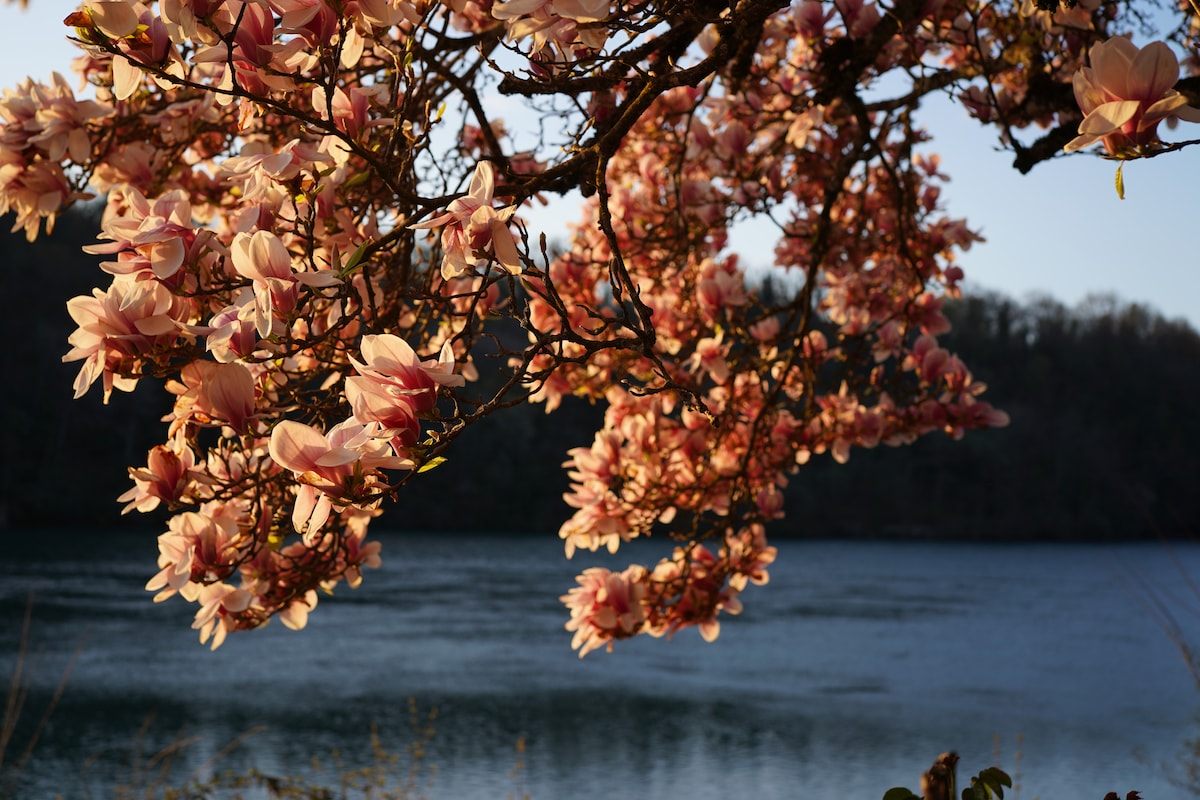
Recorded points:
(156, 238)
(392, 369)
(262, 60)
(359, 554)
(471, 15)
(231, 334)
(263, 259)
(119, 328)
(375, 402)
(721, 286)
(750, 555)
(594, 472)
(1125, 93)
(710, 357)
(766, 330)
(699, 592)
(470, 225)
(314, 20)
(219, 605)
(385, 13)
(859, 16)
(556, 24)
(259, 163)
(140, 35)
(263, 175)
(57, 123)
(605, 606)
(350, 110)
(33, 190)
(189, 19)
(170, 469)
(343, 466)
(214, 393)
(295, 616)
(578, 10)
(812, 16)
(198, 546)
(115, 18)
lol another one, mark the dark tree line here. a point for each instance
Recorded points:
(1104, 441)
(61, 460)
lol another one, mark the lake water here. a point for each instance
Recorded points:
(845, 676)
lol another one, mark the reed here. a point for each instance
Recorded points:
(19, 684)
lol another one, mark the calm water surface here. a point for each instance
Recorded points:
(845, 676)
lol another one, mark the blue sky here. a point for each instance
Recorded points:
(1060, 231)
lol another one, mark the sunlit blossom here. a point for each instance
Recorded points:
(470, 225)
(1125, 92)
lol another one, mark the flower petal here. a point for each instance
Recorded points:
(1153, 72)
(1111, 62)
(483, 182)
(296, 446)
(505, 246)
(1109, 117)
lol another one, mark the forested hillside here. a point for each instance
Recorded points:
(1104, 440)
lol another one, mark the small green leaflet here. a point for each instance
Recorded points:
(355, 259)
(431, 464)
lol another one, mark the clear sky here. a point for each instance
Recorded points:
(1060, 231)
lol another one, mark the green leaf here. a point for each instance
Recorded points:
(1121, 180)
(988, 784)
(355, 259)
(357, 179)
(995, 777)
(899, 793)
(432, 463)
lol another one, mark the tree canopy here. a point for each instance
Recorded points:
(317, 211)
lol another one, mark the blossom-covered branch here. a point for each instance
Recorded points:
(312, 210)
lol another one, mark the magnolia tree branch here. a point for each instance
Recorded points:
(321, 237)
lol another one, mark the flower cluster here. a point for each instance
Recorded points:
(688, 589)
(311, 241)
(43, 128)
(471, 228)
